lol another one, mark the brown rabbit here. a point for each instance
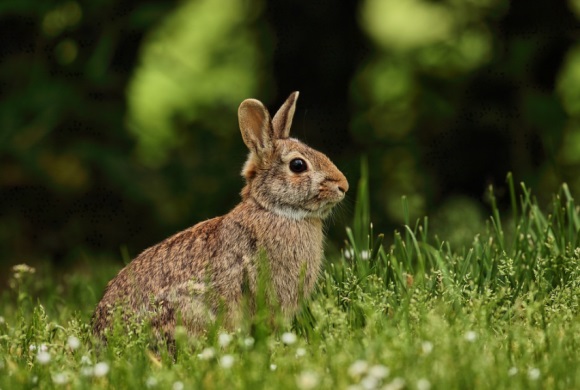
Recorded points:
(290, 188)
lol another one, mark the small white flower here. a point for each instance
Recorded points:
(60, 378)
(101, 369)
(379, 371)
(43, 347)
(423, 384)
(365, 255)
(289, 338)
(224, 339)
(534, 374)
(73, 342)
(249, 342)
(178, 385)
(2, 320)
(369, 382)
(348, 253)
(427, 347)
(227, 361)
(300, 352)
(151, 382)
(207, 354)
(512, 371)
(34, 379)
(358, 368)
(470, 336)
(32, 347)
(87, 371)
(307, 380)
(86, 360)
(43, 357)
(396, 384)
(273, 367)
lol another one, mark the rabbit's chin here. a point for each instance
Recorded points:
(322, 212)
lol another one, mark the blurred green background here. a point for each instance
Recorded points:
(118, 118)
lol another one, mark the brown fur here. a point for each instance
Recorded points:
(192, 273)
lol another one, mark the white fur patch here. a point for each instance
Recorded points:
(299, 214)
(287, 212)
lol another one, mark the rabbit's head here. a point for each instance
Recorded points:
(283, 175)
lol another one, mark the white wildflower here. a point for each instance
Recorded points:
(348, 253)
(151, 382)
(32, 347)
(512, 371)
(365, 255)
(289, 338)
(423, 384)
(273, 367)
(427, 347)
(369, 382)
(358, 368)
(73, 342)
(379, 371)
(534, 374)
(2, 320)
(307, 380)
(207, 354)
(43, 357)
(101, 369)
(227, 361)
(249, 342)
(470, 336)
(60, 378)
(178, 385)
(396, 384)
(43, 347)
(86, 360)
(224, 339)
(300, 352)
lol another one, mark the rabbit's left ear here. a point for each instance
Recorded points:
(283, 119)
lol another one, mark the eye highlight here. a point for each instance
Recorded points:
(298, 165)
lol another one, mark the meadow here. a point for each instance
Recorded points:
(408, 311)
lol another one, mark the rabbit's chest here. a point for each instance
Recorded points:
(295, 257)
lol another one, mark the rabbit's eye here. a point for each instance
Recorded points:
(298, 165)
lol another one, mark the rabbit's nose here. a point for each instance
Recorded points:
(342, 184)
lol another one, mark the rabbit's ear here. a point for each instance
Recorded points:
(256, 126)
(283, 118)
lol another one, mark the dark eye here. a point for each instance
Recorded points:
(298, 165)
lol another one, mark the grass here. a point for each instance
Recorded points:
(416, 314)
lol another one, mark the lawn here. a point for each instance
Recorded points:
(413, 313)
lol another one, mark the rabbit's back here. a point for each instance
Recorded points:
(157, 281)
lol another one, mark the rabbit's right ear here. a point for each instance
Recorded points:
(283, 118)
(256, 126)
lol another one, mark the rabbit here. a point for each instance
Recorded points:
(290, 189)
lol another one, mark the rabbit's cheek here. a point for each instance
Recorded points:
(296, 182)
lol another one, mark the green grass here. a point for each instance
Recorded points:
(414, 314)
